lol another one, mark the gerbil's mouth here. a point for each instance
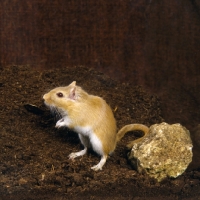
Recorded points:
(48, 105)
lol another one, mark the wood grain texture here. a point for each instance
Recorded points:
(152, 43)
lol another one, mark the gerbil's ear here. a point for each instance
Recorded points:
(72, 93)
(73, 83)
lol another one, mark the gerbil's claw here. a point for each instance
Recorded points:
(56, 126)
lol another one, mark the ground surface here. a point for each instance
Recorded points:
(33, 154)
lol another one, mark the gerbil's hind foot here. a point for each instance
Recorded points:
(77, 154)
(100, 164)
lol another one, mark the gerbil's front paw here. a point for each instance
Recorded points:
(60, 123)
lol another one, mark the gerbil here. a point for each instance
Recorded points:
(91, 117)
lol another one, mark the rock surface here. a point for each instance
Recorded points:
(165, 152)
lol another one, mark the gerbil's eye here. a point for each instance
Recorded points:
(60, 94)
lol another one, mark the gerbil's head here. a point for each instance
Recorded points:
(64, 97)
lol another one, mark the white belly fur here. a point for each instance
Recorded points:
(95, 142)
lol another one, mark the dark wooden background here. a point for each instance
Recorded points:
(147, 42)
(153, 43)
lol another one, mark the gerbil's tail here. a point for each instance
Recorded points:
(132, 127)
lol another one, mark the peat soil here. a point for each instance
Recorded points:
(34, 160)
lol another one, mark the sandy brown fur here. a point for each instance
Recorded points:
(84, 112)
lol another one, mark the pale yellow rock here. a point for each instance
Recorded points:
(165, 152)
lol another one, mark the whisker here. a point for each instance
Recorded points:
(59, 116)
(55, 113)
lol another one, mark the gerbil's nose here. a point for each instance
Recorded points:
(44, 96)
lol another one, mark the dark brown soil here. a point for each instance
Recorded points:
(34, 155)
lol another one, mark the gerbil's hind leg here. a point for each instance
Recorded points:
(85, 142)
(77, 154)
(100, 164)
